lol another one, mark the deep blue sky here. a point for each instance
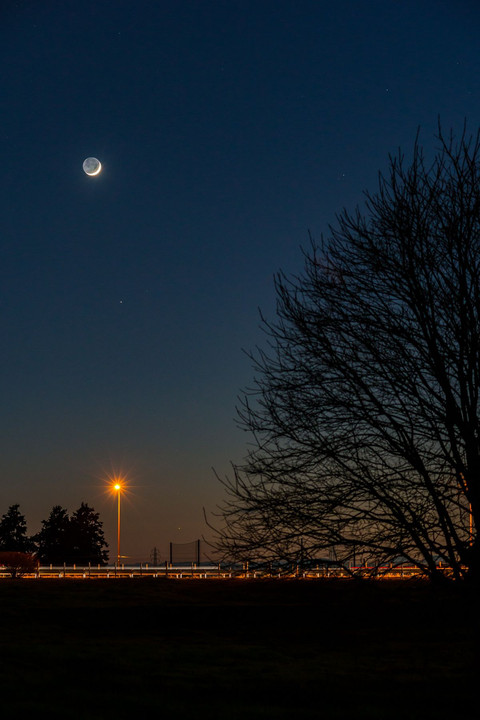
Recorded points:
(227, 130)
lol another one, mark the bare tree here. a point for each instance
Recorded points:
(365, 407)
(18, 564)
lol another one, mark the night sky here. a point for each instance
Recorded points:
(227, 131)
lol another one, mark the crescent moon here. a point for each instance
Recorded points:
(92, 166)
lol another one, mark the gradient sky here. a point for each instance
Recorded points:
(227, 131)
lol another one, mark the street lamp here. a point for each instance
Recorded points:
(464, 486)
(118, 489)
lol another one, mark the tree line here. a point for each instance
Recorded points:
(75, 539)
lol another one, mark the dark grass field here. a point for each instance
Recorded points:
(236, 649)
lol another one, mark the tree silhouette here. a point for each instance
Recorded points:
(72, 540)
(365, 408)
(87, 537)
(18, 564)
(54, 539)
(13, 532)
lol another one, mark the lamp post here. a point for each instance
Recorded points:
(464, 487)
(118, 489)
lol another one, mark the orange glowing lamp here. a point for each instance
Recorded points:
(118, 487)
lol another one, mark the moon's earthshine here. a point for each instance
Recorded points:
(92, 166)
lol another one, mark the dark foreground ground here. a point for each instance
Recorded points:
(232, 649)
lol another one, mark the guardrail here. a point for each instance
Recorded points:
(207, 571)
(120, 571)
